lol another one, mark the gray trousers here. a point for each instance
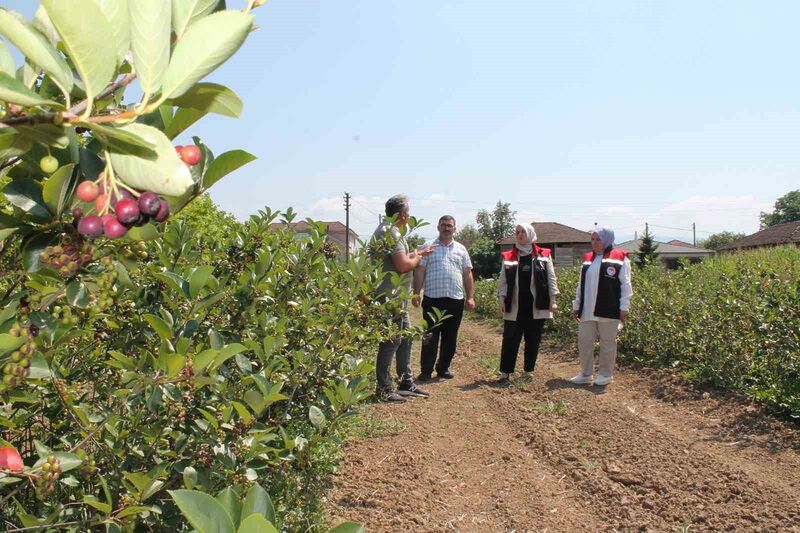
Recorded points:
(399, 347)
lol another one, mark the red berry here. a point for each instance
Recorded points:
(10, 459)
(163, 212)
(114, 229)
(121, 195)
(87, 191)
(149, 203)
(127, 211)
(91, 226)
(108, 216)
(178, 149)
(190, 154)
(100, 203)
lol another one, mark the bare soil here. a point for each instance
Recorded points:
(647, 453)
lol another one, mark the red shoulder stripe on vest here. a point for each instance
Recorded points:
(510, 255)
(619, 255)
(588, 256)
(544, 252)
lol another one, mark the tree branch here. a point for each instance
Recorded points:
(73, 114)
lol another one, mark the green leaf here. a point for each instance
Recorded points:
(148, 232)
(225, 164)
(182, 120)
(14, 91)
(5, 233)
(198, 279)
(203, 512)
(26, 194)
(159, 326)
(230, 501)
(258, 502)
(116, 12)
(7, 64)
(227, 352)
(45, 134)
(184, 12)
(317, 417)
(69, 461)
(256, 524)
(13, 143)
(42, 22)
(77, 295)
(175, 282)
(97, 504)
(244, 414)
(211, 98)
(122, 140)
(348, 527)
(150, 29)
(10, 343)
(39, 369)
(90, 43)
(56, 188)
(36, 48)
(207, 44)
(166, 174)
(33, 247)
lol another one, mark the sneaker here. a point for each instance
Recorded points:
(389, 397)
(424, 377)
(581, 379)
(445, 375)
(504, 381)
(411, 389)
(602, 380)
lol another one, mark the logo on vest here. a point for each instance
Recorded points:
(611, 271)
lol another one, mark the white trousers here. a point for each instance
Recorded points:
(588, 332)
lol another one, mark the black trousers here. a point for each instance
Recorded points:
(513, 332)
(446, 331)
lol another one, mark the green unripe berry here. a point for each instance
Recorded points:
(48, 164)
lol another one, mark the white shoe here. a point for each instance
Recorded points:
(581, 379)
(602, 380)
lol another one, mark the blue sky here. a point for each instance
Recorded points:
(613, 111)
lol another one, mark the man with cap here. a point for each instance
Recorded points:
(601, 305)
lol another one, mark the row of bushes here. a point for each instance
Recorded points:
(732, 321)
(204, 361)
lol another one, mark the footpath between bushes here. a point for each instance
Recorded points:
(647, 453)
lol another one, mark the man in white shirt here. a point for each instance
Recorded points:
(446, 276)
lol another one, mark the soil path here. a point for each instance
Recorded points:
(645, 454)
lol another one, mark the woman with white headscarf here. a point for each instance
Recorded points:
(602, 300)
(527, 291)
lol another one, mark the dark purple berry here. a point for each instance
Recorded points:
(127, 211)
(163, 212)
(114, 229)
(142, 220)
(77, 212)
(149, 203)
(90, 226)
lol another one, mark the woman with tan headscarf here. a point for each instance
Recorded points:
(527, 293)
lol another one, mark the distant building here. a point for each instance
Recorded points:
(678, 242)
(778, 235)
(568, 244)
(336, 232)
(669, 254)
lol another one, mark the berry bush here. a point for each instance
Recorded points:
(155, 351)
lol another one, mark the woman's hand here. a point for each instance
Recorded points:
(623, 316)
(502, 308)
(553, 307)
(578, 316)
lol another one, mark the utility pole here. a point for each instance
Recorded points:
(694, 234)
(646, 228)
(347, 226)
(635, 235)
